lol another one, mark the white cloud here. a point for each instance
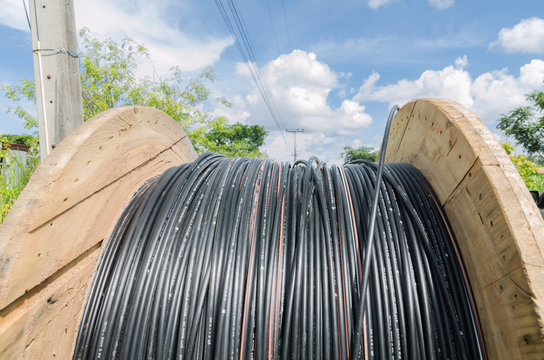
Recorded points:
(498, 92)
(461, 62)
(488, 95)
(325, 147)
(441, 4)
(235, 114)
(450, 82)
(525, 37)
(300, 85)
(13, 14)
(374, 4)
(145, 22)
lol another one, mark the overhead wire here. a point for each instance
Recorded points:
(231, 16)
(26, 14)
(290, 47)
(270, 18)
(293, 79)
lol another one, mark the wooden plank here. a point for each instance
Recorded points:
(54, 221)
(45, 325)
(498, 227)
(398, 128)
(106, 151)
(430, 138)
(51, 239)
(512, 314)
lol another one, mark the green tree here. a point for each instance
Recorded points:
(235, 140)
(526, 168)
(364, 152)
(108, 80)
(15, 170)
(23, 139)
(24, 91)
(526, 125)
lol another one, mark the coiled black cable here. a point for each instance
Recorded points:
(247, 258)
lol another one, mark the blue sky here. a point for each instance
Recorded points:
(333, 68)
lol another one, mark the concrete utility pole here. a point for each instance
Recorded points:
(56, 70)
(294, 131)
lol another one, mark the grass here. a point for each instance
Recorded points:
(14, 175)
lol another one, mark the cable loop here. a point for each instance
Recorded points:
(50, 52)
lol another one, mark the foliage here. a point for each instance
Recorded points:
(526, 168)
(25, 90)
(23, 139)
(15, 172)
(108, 80)
(526, 125)
(364, 152)
(235, 140)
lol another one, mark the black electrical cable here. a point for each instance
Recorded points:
(247, 258)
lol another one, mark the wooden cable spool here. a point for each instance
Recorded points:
(51, 241)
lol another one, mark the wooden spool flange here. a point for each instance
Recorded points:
(499, 229)
(53, 236)
(51, 239)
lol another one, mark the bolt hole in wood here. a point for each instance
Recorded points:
(65, 199)
(480, 197)
(48, 77)
(100, 147)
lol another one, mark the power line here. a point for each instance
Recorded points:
(27, 17)
(272, 25)
(233, 21)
